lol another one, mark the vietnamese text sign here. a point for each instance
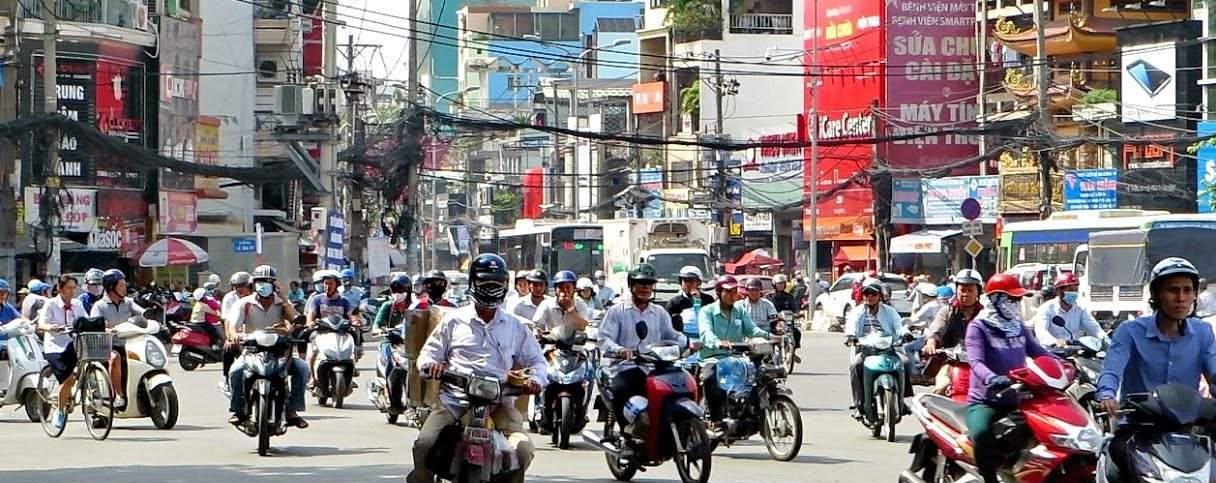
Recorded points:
(244, 245)
(178, 213)
(1091, 189)
(77, 209)
(906, 206)
(335, 233)
(942, 198)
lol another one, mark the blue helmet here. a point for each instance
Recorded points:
(4, 286)
(945, 292)
(38, 286)
(564, 276)
(347, 273)
(110, 278)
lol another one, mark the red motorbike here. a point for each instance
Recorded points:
(954, 362)
(1049, 438)
(198, 348)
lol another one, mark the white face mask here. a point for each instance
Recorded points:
(95, 290)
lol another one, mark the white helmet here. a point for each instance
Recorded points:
(241, 278)
(214, 278)
(969, 276)
(1172, 266)
(780, 278)
(320, 275)
(583, 283)
(599, 274)
(691, 271)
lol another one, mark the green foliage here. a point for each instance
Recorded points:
(1098, 96)
(690, 99)
(506, 206)
(694, 17)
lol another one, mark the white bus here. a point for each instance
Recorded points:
(578, 247)
(1055, 240)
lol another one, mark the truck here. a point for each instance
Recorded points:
(668, 244)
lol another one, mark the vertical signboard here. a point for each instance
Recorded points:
(906, 206)
(335, 248)
(178, 213)
(1206, 169)
(651, 179)
(181, 43)
(932, 82)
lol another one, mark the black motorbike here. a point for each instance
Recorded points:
(267, 358)
(1167, 438)
(571, 379)
(757, 401)
(473, 451)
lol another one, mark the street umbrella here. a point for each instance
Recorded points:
(171, 252)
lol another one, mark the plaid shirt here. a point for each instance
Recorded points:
(763, 311)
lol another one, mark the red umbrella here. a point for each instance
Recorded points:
(171, 252)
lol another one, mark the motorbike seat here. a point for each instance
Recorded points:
(952, 413)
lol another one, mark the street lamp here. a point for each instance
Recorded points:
(435, 183)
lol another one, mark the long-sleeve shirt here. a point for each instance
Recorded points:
(681, 302)
(927, 312)
(762, 311)
(1077, 323)
(992, 353)
(618, 330)
(716, 326)
(470, 345)
(887, 320)
(1140, 357)
(549, 315)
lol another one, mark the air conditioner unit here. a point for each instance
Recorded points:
(308, 100)
(270, 69)
(141, 16)
(288, 103)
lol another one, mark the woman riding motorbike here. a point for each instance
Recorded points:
(997, 342)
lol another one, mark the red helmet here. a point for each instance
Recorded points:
(1066, 279)
(726, 282)
(1006, 284)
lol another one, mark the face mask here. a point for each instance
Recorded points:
(1069, 298)
(319, 288)
(264, 289)
(96, 290)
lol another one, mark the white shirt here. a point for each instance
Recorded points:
(1207, 304)
(549, 315)
(524, 308)
(58, 313)
(228, 306)
(618, 330)
(605, 294)
(469, 345)
(1078, 321)
(928, 311)
(27, 305)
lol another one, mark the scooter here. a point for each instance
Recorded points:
(23, 353)
(1164, 444)
(784, 351)
(197, 347)
(1049, 438)
(883, 380)
(476, 452)
(335, 366)
(954, 362)
(392, 376)
(1086, 354)
(565, 399)
(150, 390)
(267, 358)
(758, 401)
(665, 424)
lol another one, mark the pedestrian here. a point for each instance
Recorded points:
(296, 294)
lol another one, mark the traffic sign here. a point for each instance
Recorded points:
(973, 228)
(973, 247)
(971, 208)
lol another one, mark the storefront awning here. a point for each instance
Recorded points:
(858, 253)
(924, 241)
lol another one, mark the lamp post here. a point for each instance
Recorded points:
(435, 184)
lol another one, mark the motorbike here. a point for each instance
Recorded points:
(392, 376)
(665, 424)
(785, 350)
(197, 348)
(954, 362)
(757, 400)
(23, 353)
(883, 380)
(1166, 442)
(1086, 354)
(566, 398)
(267, 357)
(335, 365)
(150, 390)
(1048, 438)
(474, 451)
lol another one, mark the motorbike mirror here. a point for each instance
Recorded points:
(1058, 321)
(642, 329)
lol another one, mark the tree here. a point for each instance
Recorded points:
(505, 204)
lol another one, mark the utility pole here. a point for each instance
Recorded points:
(358, 229)
(8, 152)
(728, 216)
(50, 105)
(718, 93)
(329, 66)
(1043, 76)
(813, 125)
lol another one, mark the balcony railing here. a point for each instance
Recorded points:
(119, 13)
(762, 23)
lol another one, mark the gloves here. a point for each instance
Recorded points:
(998, 383)
(850, 341)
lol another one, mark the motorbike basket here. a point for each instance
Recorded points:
(93, 346)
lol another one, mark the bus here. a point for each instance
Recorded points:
(1113, 266)
(578, 247)
(1055, 240)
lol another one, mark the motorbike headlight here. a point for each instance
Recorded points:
(154, 356)
(484, 388)
(1080, 438)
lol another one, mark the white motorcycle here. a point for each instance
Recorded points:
(150, 390)
(334, 371)
(24, 359)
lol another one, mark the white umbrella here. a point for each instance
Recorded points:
(172, 252)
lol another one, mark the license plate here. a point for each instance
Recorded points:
(476, 455)
(477, 435)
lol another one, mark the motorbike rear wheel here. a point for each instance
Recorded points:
(565, 424)
(187, 363)
(339, 391)
(622, 472)
(695, 462)
(782, 429)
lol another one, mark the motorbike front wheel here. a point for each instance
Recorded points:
(565, 424)
(187, 363)
(164, 406)
(620, 471)
(339, 391)
(788, 352)
(782, 429)
(694, 462)
(892, 418)
(262, 408)
(880, 403)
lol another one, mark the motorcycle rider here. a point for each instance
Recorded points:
(435, 285)
(618, 338)
(928, 312)
(58, 314)
(1077, 321)
(690, 287)
(350, 291)
(1207, 300)
(873, 315)
(242, 286)
(264, 308)
(206, 312)
(585, 289)
(997, 342)
(323, 305)
(35, 299)
(93, 290)
(391, 314)
(783, 301)
(116, 307)
(479, 338)
(722, 324)
(564, 308)
(950, 325)
(525, 306)
(1169, 345)
(605, 294)
(763, 312)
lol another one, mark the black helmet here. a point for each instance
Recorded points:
(488, 280)
(538, 275)
(642, 273)
(433, 276)
(110, 278)
(400, 283)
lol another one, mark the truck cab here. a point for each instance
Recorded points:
(668, 262)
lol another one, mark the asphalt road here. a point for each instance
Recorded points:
(356, 445)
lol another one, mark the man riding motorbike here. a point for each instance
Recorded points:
(873, 315)
(434, 285)
(264, 308)
(392, 313)
(479, 338)
(116, 307)
(783, 300)
(722, 324)
(93, 290)
(1169, 345)
(35, 299)
(605, 294)
(538, 284)
(928, 312)
(949, 326)
(690, 288)
(564, 309)
(997, 342)
(619, 338)
(351, 291)
(1077, 321)
(58, 314)
(323, 305)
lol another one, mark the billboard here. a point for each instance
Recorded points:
(772, 176)
(181, 44)
(1206, 169)
(1091, 189)
(648, 97)
(1147, 80)
(931, 82)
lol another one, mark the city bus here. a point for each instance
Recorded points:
(1113, 266)
(1055, 240)
(551, 247)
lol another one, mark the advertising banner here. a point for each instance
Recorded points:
(773, 175)
(1156, 189)
(180, 47)
(1148, 89)
(1091, 189)
(931, 82)
(943, 198)
(334, 244)
(648, 97)
(178, 213)
(77, 209)
(651, 179)
(906, 206)
(1206, 169)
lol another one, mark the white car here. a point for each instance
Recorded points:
(838, 301)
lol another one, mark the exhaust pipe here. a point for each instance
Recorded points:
(595, 440)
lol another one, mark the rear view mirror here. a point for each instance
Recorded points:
(1058, 321)
(642, 329)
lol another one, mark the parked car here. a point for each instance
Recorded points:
(838, 301)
